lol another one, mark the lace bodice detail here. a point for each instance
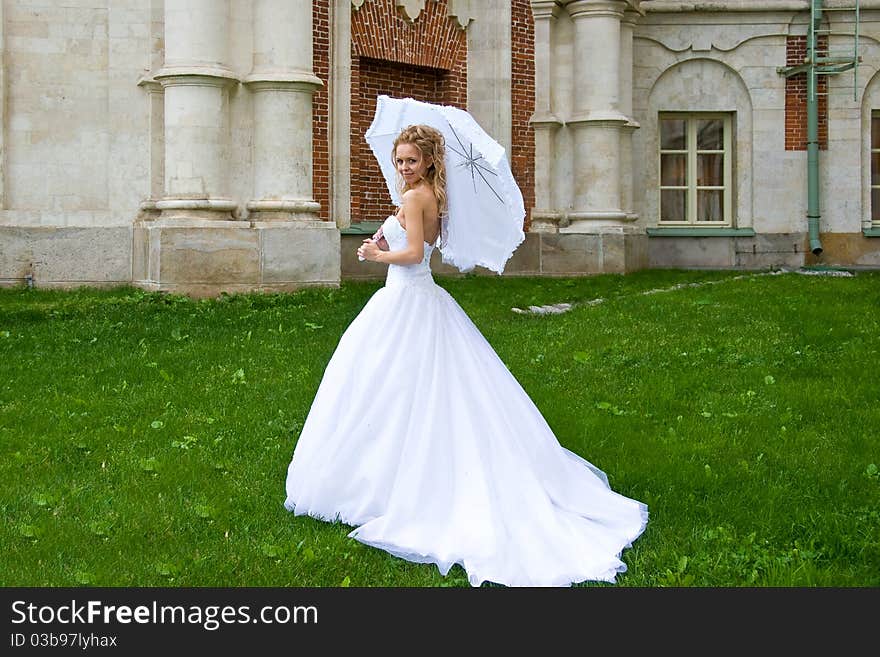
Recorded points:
(419, 273)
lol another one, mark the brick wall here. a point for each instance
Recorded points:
(370, 200)
(426, 60)
(321, 106)
(796, 97)
(522, 154)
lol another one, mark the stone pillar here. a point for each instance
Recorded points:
(544, 121)
(597, 121)
(627, 26)
(156, 101)
(282, 81)
(489, 69)
(195, 80)
(340, 114)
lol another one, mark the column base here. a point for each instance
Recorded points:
(605, 250)
(589, 242)
(201, 257)
(283, 210)
(183, 209)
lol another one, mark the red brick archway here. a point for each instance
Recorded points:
(425, 60)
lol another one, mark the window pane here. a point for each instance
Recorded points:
(710, 135)
(673, 134)
(673, 169)
(710, 169)
(710, 205)
(875, 132)
(875, 204)
(673, 205)
(875, 168)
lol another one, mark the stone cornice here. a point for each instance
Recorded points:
(539, 120)
(151, 84)
(284, 205)
(631, 17)
(212, 76)
(594, 215)
(681, 6)
(283, 81)
(590, 8)
(545, 9)
(603, 117)
(215, 204)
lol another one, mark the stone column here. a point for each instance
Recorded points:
(627, 26)
(157, 149)
(340, 114)
(283, 82)
(544, 121)
(489, 64)
(195, 80)
(597, 121)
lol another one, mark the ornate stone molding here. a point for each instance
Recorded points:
(410, 9)
(627, 5)
(681, 6)
(150, 84)
(604, 118)
(546, 8)
(581, 8)
(631, 17)
(201, 76)
(540, 121)
(213, 204)
(460, 10)
(283, 81)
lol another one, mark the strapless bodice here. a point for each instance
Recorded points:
(419, 273)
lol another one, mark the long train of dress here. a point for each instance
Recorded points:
(421, 438)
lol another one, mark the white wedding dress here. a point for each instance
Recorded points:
(421, 438)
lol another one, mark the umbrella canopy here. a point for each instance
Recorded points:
(483, 224)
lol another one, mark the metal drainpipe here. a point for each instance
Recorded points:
(813, 135)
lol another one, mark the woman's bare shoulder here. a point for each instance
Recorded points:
(421, 195)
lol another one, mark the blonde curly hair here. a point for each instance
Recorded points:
(431, 144)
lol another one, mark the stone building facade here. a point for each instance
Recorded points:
(201, 146)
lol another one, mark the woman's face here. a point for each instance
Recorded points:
(411, 165)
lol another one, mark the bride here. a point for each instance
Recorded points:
(421, 439)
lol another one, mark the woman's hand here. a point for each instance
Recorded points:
(379, 239)
(369, 250)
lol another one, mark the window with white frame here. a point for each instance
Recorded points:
(875, 167)
(696, 169)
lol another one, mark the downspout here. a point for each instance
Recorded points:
(813, 133)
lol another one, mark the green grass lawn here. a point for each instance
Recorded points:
(145, 438)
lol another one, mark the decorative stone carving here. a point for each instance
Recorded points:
(460, 10)
(410, 9)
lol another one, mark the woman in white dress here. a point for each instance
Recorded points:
(421, 439)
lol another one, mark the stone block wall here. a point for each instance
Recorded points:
(729, 60)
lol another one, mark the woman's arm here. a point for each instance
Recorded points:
(414, 210)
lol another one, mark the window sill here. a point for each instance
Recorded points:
(873, 231)
(699, 231)
(361, 228)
